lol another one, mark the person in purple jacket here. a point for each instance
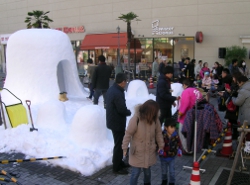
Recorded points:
(204, 69)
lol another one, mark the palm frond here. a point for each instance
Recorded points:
(129, 17)
(38, 19)
(46, 12)
(30, 13)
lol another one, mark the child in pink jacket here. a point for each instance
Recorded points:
(204, 69)
(206, 81)
(187, 101)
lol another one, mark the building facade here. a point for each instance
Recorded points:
(169, 29)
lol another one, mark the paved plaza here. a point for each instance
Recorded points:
(41, 173)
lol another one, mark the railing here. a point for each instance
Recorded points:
(128, 73)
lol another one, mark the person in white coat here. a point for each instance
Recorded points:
(155, 67)
(198, 68)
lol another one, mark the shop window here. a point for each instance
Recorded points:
(146, 54)
(183, 47)
(163, 48)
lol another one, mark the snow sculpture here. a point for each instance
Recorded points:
(137, 89)
(32, 59)
(51, 115)
(177, 90)
(88, 127)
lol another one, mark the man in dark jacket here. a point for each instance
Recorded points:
(100, 80)
(116, 113)
(164, 93)
(189, 71)
(234, 68)
(226, 78)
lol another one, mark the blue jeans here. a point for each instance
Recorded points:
(136, 173)
(91, 91)
(98, 93)
(165, 165)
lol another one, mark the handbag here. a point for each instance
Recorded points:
(230, 105)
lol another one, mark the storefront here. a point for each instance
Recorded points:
(109, 45)
(166, 48)
(163, 44)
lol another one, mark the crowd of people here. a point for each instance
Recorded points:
(144, 133)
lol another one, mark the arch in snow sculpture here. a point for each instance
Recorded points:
(32, 58)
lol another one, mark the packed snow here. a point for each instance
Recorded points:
(76, 128)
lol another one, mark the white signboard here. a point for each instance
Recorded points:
(4, 38)
(156, 30)
(164, 58)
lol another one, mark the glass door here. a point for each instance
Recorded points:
(163, 49)
(183, 47)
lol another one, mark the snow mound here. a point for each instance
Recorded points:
(51, 114)
(87, 129)
(137, 88)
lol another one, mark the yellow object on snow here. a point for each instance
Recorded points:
(17, 115)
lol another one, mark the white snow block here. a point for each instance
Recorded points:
(177, 90)
(32, 58)
(88, 127)
(137, 89)
(51, 115)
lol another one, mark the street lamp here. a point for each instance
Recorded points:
(118, 68)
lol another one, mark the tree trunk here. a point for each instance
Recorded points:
(129, 55)
(39, 24)
(129, 41)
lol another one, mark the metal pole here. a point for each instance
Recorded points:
(2, 112)
(195, 130)
(173, 57)
(118, 67)
(118, 54)
(134, 58)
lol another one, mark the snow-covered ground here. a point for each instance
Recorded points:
(76, 128)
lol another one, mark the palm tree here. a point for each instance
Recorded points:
(128, 18)
(38, 19)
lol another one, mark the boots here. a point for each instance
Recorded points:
(147, 183)
(171, 184)
(63, 96)
(164, 182)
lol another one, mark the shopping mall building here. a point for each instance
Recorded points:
(169, 29)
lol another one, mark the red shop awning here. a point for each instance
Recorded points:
(107, 41)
